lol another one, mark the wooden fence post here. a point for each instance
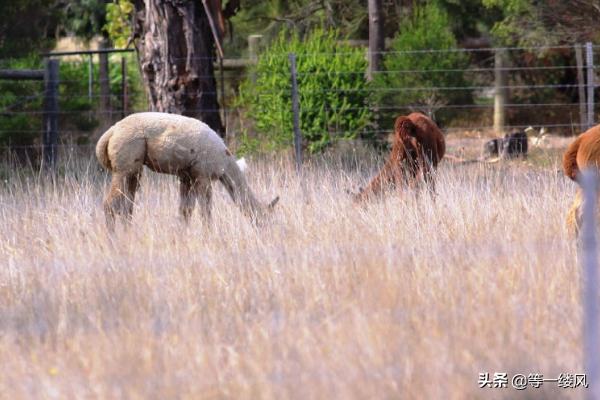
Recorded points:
(589, 263)
(104, 79)
(296, 113)
(500, 90)
(589, 55)
(254, 44)
(50, 133)
(580, 87)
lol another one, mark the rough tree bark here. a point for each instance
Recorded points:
(176, 51)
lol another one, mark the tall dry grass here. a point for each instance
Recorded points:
(409, 297)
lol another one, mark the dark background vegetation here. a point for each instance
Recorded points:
(29, 28)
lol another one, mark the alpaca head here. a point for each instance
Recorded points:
(261, 215)
(404, 127)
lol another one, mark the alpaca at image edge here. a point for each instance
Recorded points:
(583, 152)
(177, 145)
(417, 149)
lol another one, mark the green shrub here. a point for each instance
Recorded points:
(425, 72)
(21, 102)
(332, 92)
(20, 105)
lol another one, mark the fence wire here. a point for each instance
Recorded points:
(541, 91)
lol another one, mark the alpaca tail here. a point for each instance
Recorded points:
(102, 149)
(570, 159)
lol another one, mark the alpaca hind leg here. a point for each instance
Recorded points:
(132, 183)
(115, 200)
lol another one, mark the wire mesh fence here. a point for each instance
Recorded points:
(544, 87)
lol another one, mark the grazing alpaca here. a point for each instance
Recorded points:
(417, 149)
(583, 152)
(171, 144)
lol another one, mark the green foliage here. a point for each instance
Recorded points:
(332, 92)
(74, 103)
(511, 28)
(422, 73)
(83, 18)
(269, 18)
(118, 26)
(135, 87)
(81, 115)
(545, 22)
(20, 105)
(21, 102)
(27, 26)
(470, 18)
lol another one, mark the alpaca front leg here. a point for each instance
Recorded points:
(187, 197)
(203, 191)
(574, 215)
(428, 175)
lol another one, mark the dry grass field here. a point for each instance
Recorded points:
(409, 297)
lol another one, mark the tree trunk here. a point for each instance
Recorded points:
(175, 47)
(376, 37)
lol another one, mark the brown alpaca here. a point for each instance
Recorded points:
(583, 152)
(417, 149)
(175, 145)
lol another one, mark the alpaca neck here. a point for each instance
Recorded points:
(235, 182)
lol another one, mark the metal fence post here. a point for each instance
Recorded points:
(50, 134)
(589, 261)
(254, 45)
(124, 94)
(90, 78)
(296, 113)
(589, 56)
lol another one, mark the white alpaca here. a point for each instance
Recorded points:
(176, 145)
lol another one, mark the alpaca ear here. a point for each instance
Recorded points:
(403, 125)
(242, 164)
(273, 202)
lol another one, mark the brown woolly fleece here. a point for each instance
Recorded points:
(417, 149)
(583, 152)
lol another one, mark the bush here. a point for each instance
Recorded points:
(20, 105)
(21, 102)
(424, 71)
(332, 92)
